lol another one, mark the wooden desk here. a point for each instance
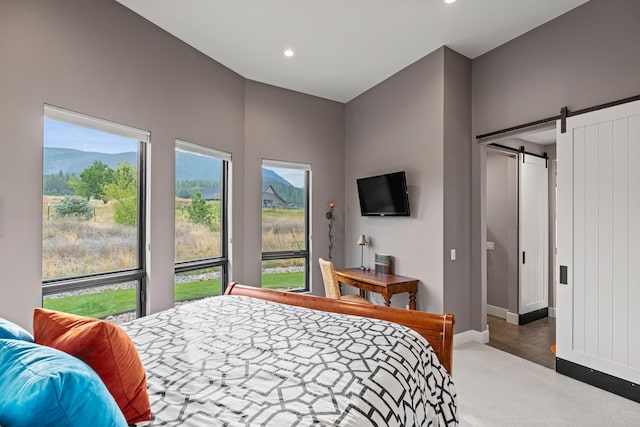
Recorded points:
(385, 284)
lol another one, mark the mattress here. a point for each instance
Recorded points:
(240, 361)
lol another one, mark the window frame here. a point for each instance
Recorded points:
(138, 274)
(221, 261)
(306, 253)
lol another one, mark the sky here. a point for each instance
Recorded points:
(294, 176)
(65, 135)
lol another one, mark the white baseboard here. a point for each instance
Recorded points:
(497, 311)
(552, 312)
(471, 336)
(513, 318)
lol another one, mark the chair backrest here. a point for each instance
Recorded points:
(331, 285)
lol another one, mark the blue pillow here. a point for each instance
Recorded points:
(42, 386)
(12, 331)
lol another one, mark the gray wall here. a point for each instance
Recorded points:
(583, 58)
(419, 121)
(398, 125)
(99, 58)
(457, 187)
(502, 230)
(284, 125)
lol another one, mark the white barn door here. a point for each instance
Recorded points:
(598, 307)
(533, 242)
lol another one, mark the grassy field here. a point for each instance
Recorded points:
(282, 230)
(74, 247)
(103, 304)
(196, 241)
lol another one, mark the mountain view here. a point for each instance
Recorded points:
(72, 162)
(193, 169)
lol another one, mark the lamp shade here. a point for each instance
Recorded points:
(362, 240)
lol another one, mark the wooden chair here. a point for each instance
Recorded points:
(332, 287)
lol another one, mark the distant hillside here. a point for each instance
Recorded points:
(71, 161)
(190, 168)
(290, 194)
(270, 177)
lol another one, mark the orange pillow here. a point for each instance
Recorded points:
(106, 348)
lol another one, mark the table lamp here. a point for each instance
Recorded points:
(362, 241)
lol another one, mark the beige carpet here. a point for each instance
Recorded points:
(498, 389)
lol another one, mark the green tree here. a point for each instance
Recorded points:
(123, 190)
(199, 211)
(56, 184)
(289, 193)
(92, 181)
(188, 188)
(74, 207)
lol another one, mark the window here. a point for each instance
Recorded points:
(200, 222)
(93, 257)
(285, 225)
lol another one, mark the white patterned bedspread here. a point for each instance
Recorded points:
(240, 361)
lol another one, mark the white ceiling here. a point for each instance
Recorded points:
(342, 47)
(545, 137)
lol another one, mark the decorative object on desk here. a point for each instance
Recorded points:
(362, 241)
(383, 263)
(331, 219)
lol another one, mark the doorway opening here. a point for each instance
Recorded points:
(521, 244)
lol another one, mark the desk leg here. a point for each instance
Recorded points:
(387, 301)
(362, 293)
(412, 300)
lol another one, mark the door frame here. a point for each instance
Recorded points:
(484, 147)
(510, 312)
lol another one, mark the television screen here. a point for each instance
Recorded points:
(384, 195)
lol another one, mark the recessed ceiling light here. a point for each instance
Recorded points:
(449, 1)
(288, 52)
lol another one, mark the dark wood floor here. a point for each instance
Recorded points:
(531, 341)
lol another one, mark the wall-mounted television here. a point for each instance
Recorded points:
(384, 195)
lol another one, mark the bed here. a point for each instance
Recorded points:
(263, 357)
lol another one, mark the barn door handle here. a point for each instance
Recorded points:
(523, 257)
(563, 275)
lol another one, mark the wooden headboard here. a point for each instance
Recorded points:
(435, 328)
